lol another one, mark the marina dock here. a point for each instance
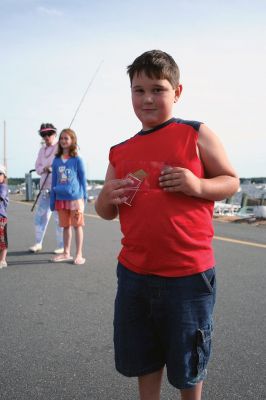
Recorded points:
(56, 319)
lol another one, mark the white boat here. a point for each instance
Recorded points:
(252, 211)
(221, 208)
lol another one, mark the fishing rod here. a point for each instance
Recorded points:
(83, 97)
(75, 114)
(40, 191)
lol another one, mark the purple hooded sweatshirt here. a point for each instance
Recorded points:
(3, 199)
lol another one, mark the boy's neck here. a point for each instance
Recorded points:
(168, 121)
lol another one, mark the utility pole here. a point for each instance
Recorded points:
(5, 159)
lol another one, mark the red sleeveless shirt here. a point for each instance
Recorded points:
(166, 234)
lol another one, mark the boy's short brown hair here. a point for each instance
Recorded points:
(155, 64)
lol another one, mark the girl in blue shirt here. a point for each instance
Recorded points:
(68, 194)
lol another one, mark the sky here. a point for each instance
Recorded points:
(50, 51)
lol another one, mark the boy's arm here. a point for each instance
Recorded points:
(111, 195)
(221, 179)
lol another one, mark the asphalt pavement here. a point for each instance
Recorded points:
(56, 319)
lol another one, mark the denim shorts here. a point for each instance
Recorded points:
(161, 322)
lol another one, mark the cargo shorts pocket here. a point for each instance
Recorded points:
(209, 279)
(204, 336)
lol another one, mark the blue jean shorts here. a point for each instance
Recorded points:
(161, 322)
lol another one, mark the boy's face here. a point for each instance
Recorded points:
(153, 99)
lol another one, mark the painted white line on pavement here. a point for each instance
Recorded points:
(97, 216)
(225, 239)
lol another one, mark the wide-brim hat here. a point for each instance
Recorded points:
(3, 169)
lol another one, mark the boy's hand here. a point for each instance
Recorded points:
(177, 179)
(114, 190)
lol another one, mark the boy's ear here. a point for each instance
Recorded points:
(178, 92)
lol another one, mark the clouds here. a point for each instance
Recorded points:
(51, 49)
(52, 12)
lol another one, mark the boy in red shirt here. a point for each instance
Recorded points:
(162, 183)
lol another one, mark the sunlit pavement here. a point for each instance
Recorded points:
(56, 319)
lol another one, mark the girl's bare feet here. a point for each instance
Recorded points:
(79, 260)
(62, 258)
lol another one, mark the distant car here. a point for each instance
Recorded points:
(91, 198)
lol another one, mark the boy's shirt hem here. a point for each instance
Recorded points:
(175, 272)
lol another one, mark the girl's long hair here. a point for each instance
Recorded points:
(73, 150)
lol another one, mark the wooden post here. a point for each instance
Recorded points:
(244, 200)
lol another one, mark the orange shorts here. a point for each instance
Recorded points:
(70, 218)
